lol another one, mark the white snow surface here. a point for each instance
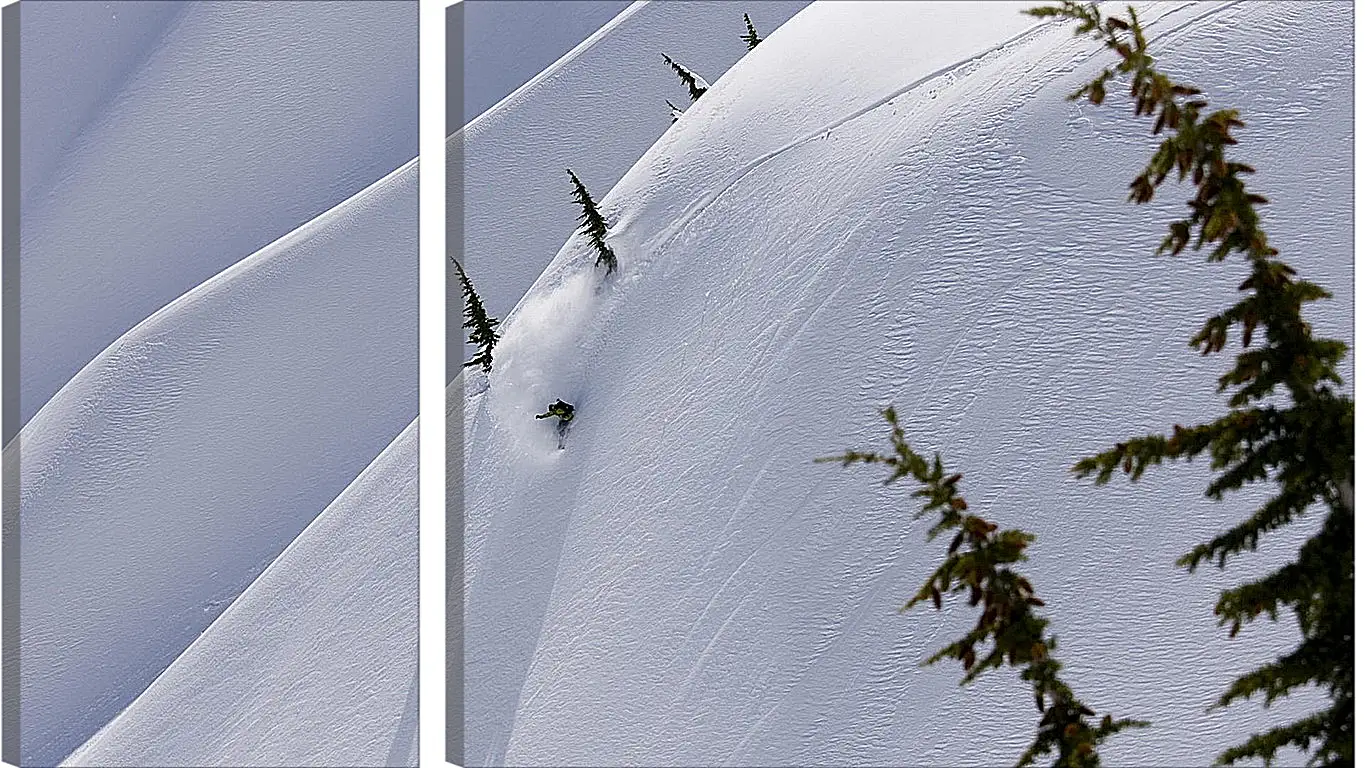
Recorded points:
(596, 110)
(183, 138)
(315, 664)
(162, 480)
(884, 203)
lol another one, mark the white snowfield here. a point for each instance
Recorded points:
(885, 203)
(178, 464)
(196, 134)
(315, 664)
(219, 246)
(596, 110)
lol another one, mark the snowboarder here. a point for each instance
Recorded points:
(565, 413)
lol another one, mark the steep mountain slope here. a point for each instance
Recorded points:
(596, 110)
(160, 481)
(884, 203)
(91, 53)
(505, 43)
(225, 128)
(316, 662)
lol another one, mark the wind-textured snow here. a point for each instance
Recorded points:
(596, 110)
(163, 478)
(884, 203)
(195, 134)
(315, 664)
(219, 240)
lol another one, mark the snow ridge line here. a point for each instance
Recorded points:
(369, 468)
(263, 254)
(699, 206)
(554, 68)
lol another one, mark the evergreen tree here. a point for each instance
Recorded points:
(696, 86)
(482, 328)
(751, 37)
(593, 224)
(673, 110)
(1287, 422)
(1007, 601)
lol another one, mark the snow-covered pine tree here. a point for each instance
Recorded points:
(673, 110)
(482, 328)
(696, 86)
(1289, 420)
(1008, 620)
(751, 37)
(593, 224)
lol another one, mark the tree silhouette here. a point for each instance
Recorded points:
(482, 328)
(1287, 420)
(750, 37)
(1007, 602)
(696, 86)
(673, 110)
(593, 224)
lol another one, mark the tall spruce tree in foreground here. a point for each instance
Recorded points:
(482, 328)
(751, 37)
(1007, 601)
(1288, 422)
(696, 86)
(593, 224)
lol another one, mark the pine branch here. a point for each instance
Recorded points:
(750, 37)
(1007, 599)
(673, 110)
(696, 86)
(593, 225)
(483, 333)
(1307, 449)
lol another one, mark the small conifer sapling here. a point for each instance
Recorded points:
(673, 110)
(482, 328)
(593, 224)
(750, 37)
(696, 85)
(982, 562)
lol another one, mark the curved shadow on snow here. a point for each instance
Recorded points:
(687, 589)
(314, 664)
(160, 481)
(244, 121)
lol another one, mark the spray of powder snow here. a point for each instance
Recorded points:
(538, 361)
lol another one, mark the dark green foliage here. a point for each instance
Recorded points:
(482, 328)
(673, 110)
(1007, 602)
(1303, 443)
(696, 86)
(750, 37)
(593, 225)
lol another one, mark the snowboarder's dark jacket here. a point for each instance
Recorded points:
(558, 408)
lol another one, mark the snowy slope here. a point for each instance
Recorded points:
(160, 481)
(596, 110)
(91, 49)
(505, 43)
(885, 203)
(212, 133)
(315, 664)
